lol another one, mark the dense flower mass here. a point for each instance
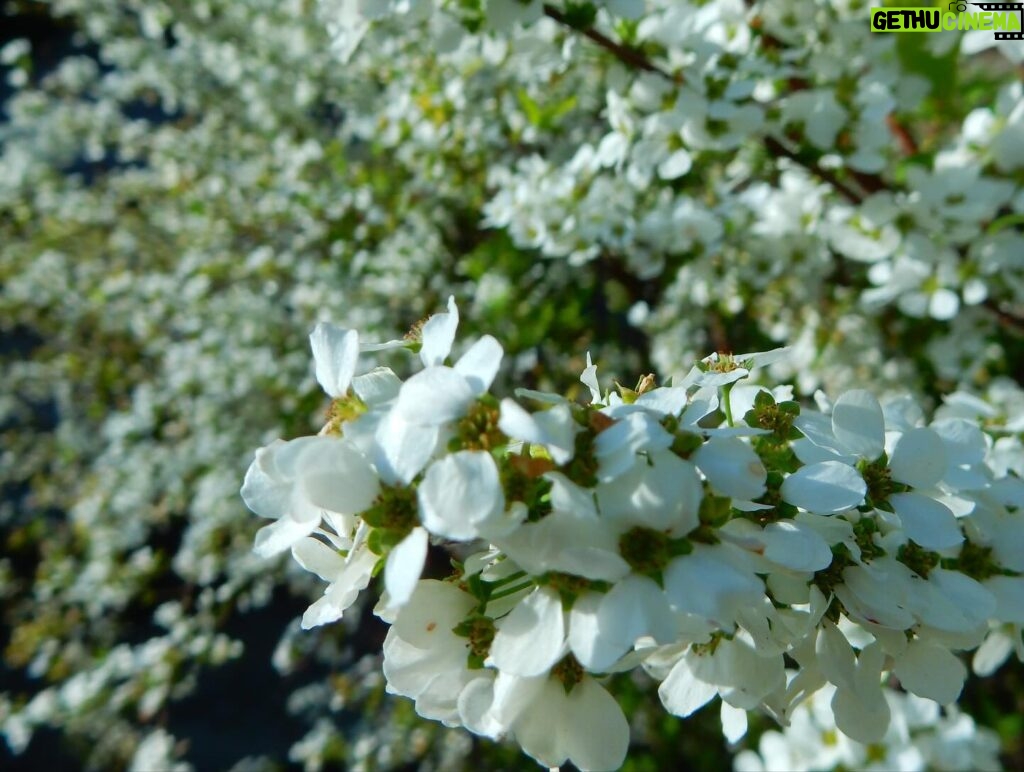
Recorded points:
(918, 738)
(707, 532)
(188, 187)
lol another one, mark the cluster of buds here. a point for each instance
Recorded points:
(715, 533)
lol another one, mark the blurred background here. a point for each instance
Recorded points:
(186, 188)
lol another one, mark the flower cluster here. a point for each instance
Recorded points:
(706, 531)
(920, 737)
(186, 188)
(731, 149)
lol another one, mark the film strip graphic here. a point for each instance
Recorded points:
(1005, 7)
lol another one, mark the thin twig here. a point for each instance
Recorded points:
(639, 60)
(903, 136)
(1006, 319)
(779, 150)
(628, 55)
(869, 183)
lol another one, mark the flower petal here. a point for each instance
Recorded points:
(280, 535)
(616, 447)
(334, 475)
(345, 587)
(595, 733)
(317, 558)
(824, 488)
(554, 428)
(265, 490)
(435, 608)
(403, 448)
(928, 522)
(665, 400)
(532, 637)
(734, 722)
(635, 607)
(865, 720)
(858, 423)
(404, 566)
(434, 396)
(682, 694)
(931, 671)
(919, 458)
(1009, 595)
(377, 387)
(965, 442)
(964, 604)
(589, 379)
(439, 334)
(796, 546)
(539, 730)
(835, 656)
(732, 467)
(335, 352)
(459, 494)
(591, 650)
(817, 429)
(480, 364)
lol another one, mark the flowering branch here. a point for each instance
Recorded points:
(635, 58)
(625, 54)
(628, 532)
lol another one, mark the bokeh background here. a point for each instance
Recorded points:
(188, 186)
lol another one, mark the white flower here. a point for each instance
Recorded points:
(461, 498)
(663, 494)
(572, 539)
(423, 658)
(554, 428)
(605, 627)
(439, 394)
(403, 567)
(713, 583)
(346, 577)
(429, 401)
(532, 638)
(296, 482)
(733, 669)
(584, 725)
(732, 467)
(824, 488)
(335, 352)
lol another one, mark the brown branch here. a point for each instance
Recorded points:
(902, 134)
(869, 183)
(716, 333)
(639, 60)
(1007, 320)
(779, 150)
(625, 54)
